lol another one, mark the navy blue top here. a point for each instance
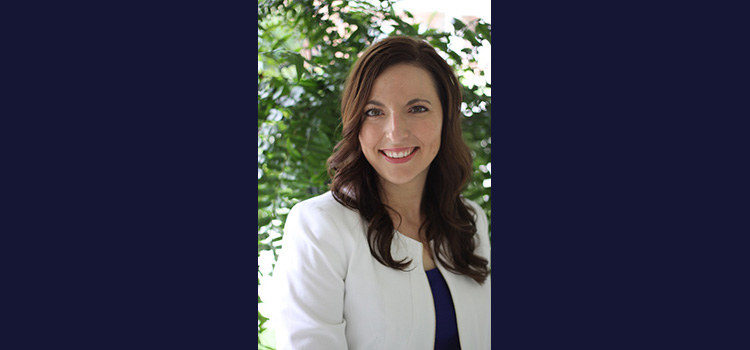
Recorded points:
(446, 331)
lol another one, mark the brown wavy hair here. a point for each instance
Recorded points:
(449, 221)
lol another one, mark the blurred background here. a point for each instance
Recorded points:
(305, 50)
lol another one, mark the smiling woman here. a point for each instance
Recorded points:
(393, 257)
(401, 135)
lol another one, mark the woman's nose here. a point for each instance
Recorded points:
(397, 129)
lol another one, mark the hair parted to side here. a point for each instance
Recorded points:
(449, 220)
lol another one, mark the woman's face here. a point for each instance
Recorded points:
(400, 135)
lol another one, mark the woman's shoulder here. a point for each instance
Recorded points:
(322, 203)
(474, 205)
(482, 227)
(324, 210)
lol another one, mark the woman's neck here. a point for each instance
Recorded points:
(407, 202)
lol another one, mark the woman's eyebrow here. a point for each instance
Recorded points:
(412, 101)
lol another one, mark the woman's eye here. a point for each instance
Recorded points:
(372, 112)
(419, 109)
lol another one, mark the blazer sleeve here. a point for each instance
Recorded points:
(483, 246)
(309, 280)
(484, 235)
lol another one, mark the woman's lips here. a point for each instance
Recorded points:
(399, 155)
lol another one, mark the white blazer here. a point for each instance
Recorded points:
(332, 294)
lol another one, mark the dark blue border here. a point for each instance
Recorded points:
(615, 182)
(135, 176)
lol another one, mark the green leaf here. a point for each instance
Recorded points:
(456, 57)
(264, 221)
(440, 45)
(292, 151)
(469, 35)
(483, 29)
(458, 25)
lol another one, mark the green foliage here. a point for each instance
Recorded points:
(305, 51)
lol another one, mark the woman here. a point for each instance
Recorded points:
(392, 257)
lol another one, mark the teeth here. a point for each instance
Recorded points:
(397, 155)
